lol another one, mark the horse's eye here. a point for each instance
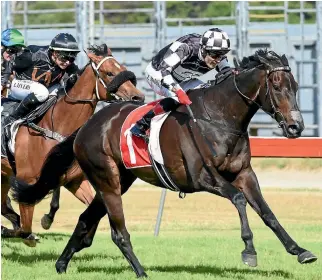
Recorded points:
(109, 74)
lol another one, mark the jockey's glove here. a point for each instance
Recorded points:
(183, 97)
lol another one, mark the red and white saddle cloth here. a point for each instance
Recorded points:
(135, 152)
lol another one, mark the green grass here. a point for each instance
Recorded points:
(192, 255)
(199, 239)
(307, 164)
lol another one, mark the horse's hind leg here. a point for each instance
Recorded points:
(7, 210)
(83, 234)
(81, 189)
(248, 184)
(48, 219)
(86, 227)
(113, 201)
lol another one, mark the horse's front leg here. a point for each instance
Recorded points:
(48, 219)
(248, 184)
(27, 213)
(223, 188)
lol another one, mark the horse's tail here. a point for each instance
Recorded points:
(58, 161)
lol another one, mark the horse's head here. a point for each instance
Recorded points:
(277, 93)
(116, 78)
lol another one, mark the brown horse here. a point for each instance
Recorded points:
(100, 78)
(211, 154)
(6, 208)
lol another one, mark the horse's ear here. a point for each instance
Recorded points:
(284, 60)
(109, 52)
(93, 57)
(236, 62)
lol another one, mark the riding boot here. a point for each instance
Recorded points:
(26, 105)
(142, 125)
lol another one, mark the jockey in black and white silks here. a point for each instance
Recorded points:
(175, 69)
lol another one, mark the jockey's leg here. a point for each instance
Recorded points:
(142, 125)
(31, 93)
(165, 105)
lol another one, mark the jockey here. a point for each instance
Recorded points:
(39, 71)
(174, 70)
(12, 42)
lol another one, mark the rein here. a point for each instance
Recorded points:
(98, 78)
(252, 100)
(268, 93)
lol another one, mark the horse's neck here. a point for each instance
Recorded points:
(224, 104)
(69, 114)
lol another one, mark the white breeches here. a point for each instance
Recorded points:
(154, 80)
(21, 88)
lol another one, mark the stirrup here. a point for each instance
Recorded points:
(138, 132)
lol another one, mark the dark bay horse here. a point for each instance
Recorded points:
(212, 155)
(101, 78)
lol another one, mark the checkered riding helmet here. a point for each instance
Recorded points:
(216, 41)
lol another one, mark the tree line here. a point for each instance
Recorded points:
(174, 9)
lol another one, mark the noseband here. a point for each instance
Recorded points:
(276, 112)
(98, 78)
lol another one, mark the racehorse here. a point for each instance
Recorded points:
(210, 154)
(100, 80)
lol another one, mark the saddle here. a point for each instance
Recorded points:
(8, 106)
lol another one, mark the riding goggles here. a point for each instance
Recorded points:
(13, 50)
(218, 54)
(66, 56)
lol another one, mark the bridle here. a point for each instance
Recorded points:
(276, 113)
(98, 79)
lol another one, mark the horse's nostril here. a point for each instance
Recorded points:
(294, 128)
(137, 98)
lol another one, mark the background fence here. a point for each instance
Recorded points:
(250, 26)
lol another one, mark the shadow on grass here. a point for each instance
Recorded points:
(232, 272)
(25, 259)
(43, 236)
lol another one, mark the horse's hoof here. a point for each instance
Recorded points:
(142, 275)
(46, 222)
(31, 240)
(61, 267)
(306, 257)
(250, 260)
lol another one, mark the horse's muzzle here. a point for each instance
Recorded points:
(293, 130)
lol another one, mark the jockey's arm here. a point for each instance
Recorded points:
(223, 64)
(73, 73)
(22, 60)
(72, 69)
(173, 58)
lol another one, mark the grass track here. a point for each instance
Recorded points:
(200, 239)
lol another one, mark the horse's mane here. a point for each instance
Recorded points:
(99, 50)
(270, 57)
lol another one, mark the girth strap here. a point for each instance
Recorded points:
(47, 133)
